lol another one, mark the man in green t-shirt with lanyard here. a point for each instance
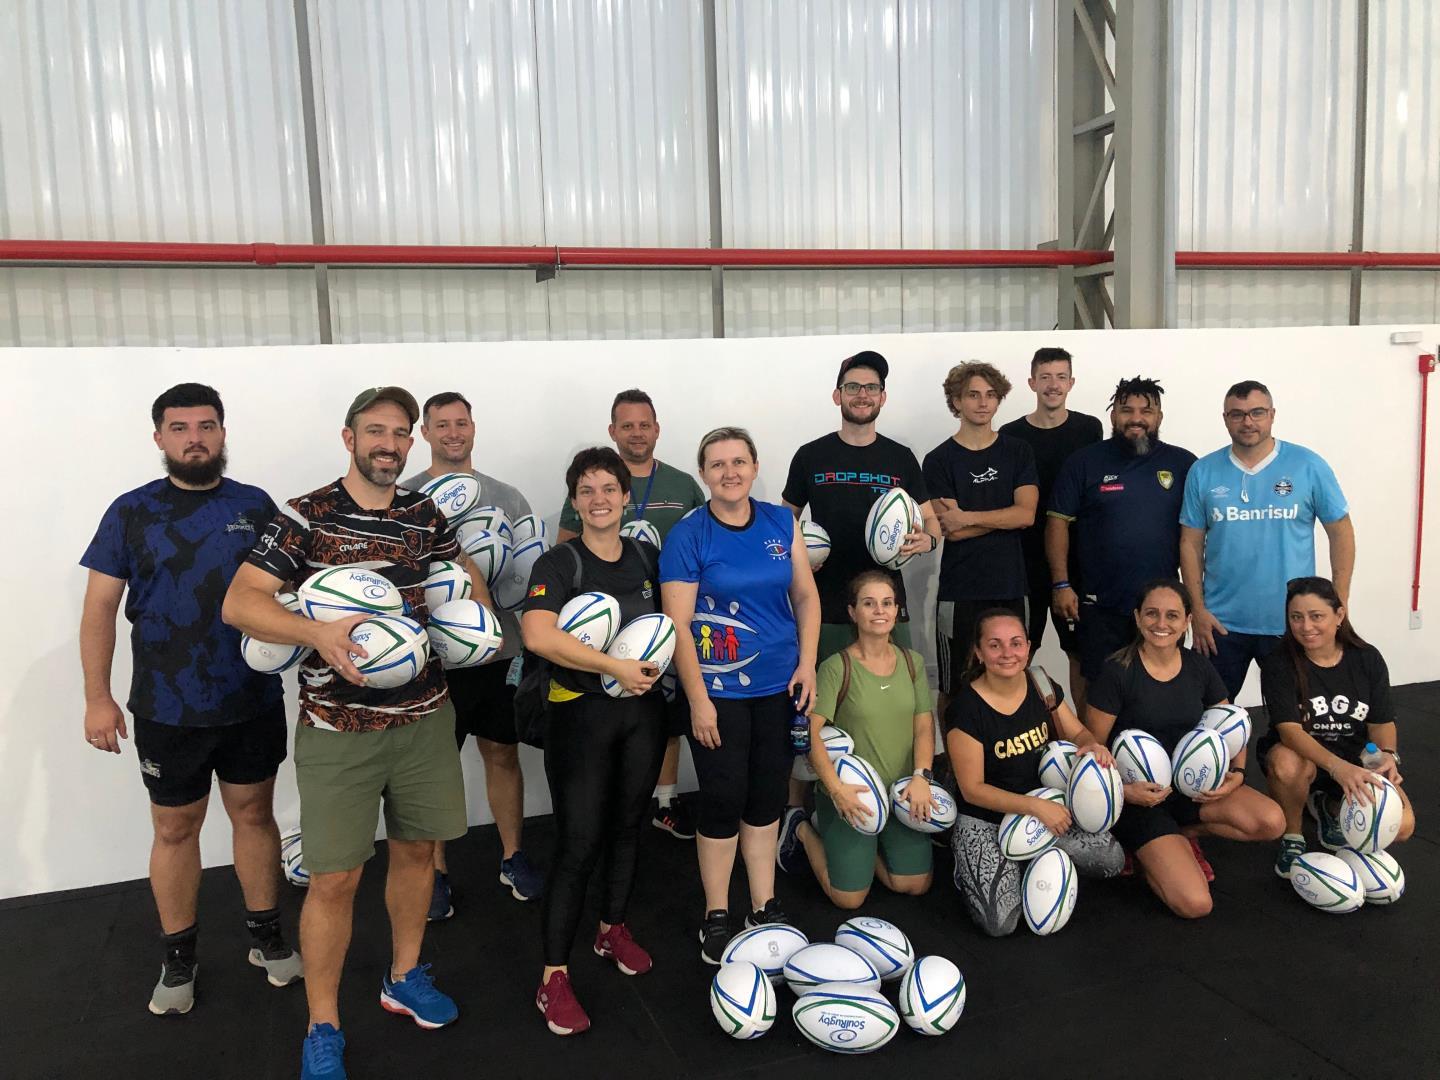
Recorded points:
(660, 494)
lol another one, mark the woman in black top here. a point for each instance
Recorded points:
(602, 753)
(1157, 685)
(1327, 693)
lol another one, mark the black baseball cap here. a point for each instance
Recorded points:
(869, 358)
(399, 395)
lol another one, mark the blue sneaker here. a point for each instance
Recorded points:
(524, 880)
(323, 1056)
(1327, 825)
(790, 852)
(441, 904)
(415, 996)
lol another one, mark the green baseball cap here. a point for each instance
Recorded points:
(399, 395)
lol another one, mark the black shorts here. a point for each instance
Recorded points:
(745, 778)
(955, 636)
(1041, 595)
(1101, 632)
(677, 714)
(1138, 825)
(177, 762)
(484, 703)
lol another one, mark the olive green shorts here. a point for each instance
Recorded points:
(345, 777)
(850, 856)
(835, 636)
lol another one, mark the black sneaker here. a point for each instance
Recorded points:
(714, 935)
(790, 852)
(674, 819)
(770, 913)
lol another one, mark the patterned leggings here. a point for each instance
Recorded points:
(990, 883)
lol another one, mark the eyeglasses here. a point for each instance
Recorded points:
(1257, 413)
(853, 388)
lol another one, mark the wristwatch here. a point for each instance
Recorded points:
(1394, 756)
(925, 774)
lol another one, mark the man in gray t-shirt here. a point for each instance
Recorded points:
(483, 696)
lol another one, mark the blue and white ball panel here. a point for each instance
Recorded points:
(642, 530)
(269, 658)
(490, 519)
(817, 543)
(464, 633)
(845, 1018)
(1199, 762)
(398, 650)
(1055, 795)
(856, 770)
(446, 581)
(943, 811)
(490, 551)
(592, 618)
(1141, 758)
(1095, 796)
(881, 943)
(529, 527)
(1327, 882)
(1048, 892)
(338, 591)
(648, 637)
(1371, 827)
(932, 995)
(825, 962)
(1378, 872)
(742, 1000)
(291, 856)
(1023, 836)
(768, 947)
(513, 583)
(836, 741)
(1233, 723)
(890, 518)
(1056, 762)
(456, 494)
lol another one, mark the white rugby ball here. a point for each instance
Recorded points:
(290, 602)
(856, 770)
(1048, 892)
(1095, 796)
(1371, 827)
(742, 1000)
(836, 740)
(1233, 723)
(825, 962)
(1378, 872)
(1055, 795)
(891, 517)
(1327, 882)
(529, 527)
(642, 530)
(845, 1018)
(338, 591)
(768, 946)
(446, 581)
(514, 581)
(1141, 758)
(487, 519)
(269, 658)
(943, 811)
(592, 618)
(489, 550)
(649, 637)
(398, 650)
(817, 543)
(456, 494)
(1056, 762)
(932, 995)
(880, 942)
(1199, 762)
(291, 856)
(1023, 836)
(464, 634)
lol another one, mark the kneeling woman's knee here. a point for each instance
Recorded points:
(848, 901)
(1191, 904)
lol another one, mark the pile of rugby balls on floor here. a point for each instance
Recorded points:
(839, 1003)
(1363, 872)
(853, 769)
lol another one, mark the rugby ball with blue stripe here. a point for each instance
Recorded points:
(397, 647)
(641, 529)
(338, 591)
(1233, 723)
(836, 741)
(742, 1000)
(456, 494)
(825, 962)
(529, 527)
(269, 658)
(932, 995)
(1199, 762)
(464, 634)
(446, 581)
(1327, 882)
(649, 637)
(592, 618)
(880, 942)
(767, 946)
(1056, 762)
(1095, 796)
(513, 583)
(487, 519)
(943, 811)
(1023, 836)
(875, 798)
(1141, 758)
(1371, 826)
(845, 1018)
(1047, 893)
(1378, 872)
(817, 543)
(893, 515)
(490, 551)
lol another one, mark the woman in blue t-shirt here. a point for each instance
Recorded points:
(727, 573)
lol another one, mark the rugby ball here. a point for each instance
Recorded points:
(1095, 796)
(768, 947)
(446, 581)
(1233, 724)
(825, 962)
(1047, 892)
(1024, 836)
(338, 591)
(529, 527)
(289, 601)
(456, 494)
(943, 811)
(514, 581)
(1055, 795)
(1379, 873)
(880, 942)
(1056, 762)
(489, 550)
(398, 650)
(1141, 758)
(592, 618)
(642, 530)
(932, 995)
(269, 658)
(487, 519)
(856, 770)
(817, 543)
(649, 637)
(1199, 762)
(742, 1000)
(893, 515)
(464, 634)
(290, 859)
(836, 741)
(1368, 827)
(1327, 882)
(845, 1018)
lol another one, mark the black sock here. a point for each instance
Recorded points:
(264, 926)
(180, 947)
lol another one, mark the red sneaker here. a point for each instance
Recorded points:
(556, 999)
(1200, 860)
(617, 944)
(1128, 870)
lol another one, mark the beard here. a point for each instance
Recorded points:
(851, 417)
(1140, 443)
(378, 474)
(197, 473)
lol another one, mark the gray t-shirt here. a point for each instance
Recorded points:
(492, 493)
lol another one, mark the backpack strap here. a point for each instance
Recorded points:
(844, 680)
(1043, 686)
(575, 582)
(909, 661)
(652, 564)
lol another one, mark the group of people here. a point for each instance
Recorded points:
(1125, 519)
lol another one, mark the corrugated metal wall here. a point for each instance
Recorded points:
(864, 123)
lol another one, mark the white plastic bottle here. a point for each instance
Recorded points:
(1372, 757)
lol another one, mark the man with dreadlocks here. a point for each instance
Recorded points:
(1123, 495)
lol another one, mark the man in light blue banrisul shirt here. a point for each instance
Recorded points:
(1249, 520)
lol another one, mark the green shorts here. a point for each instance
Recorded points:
(835, 636)
(850, 856)
(345, 776)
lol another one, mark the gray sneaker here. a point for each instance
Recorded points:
(281, 967)
(174, 994)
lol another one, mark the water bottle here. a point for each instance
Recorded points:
(1372, 757)
(799, 733)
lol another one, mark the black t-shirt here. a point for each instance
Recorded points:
(1011, 744)
(1166, 710)
(992, 566)
(633, 581)
(1051, 447)
(840, 483)
(1339, 701)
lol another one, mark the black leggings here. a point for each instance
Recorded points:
(602, 756)
(747, 776)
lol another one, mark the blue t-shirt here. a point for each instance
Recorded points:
(176, 550)
(1126, 511)
(744, 628)
(1259, 529)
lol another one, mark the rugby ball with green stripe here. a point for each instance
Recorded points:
(397, 649)
(650, 637)
(1199, 762)
(846, 1018)
(893, 515)
(1327, 882)
(338, 591)
(592, 618)
(1378, 872)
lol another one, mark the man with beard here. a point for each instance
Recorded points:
(1249, 520)
(660, 494)
(196, 708)
(359, 747)
(484, 696)
(1123, 497)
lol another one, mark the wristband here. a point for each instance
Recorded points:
(1060, 585)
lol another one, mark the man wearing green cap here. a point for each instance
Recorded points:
(359, 747)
